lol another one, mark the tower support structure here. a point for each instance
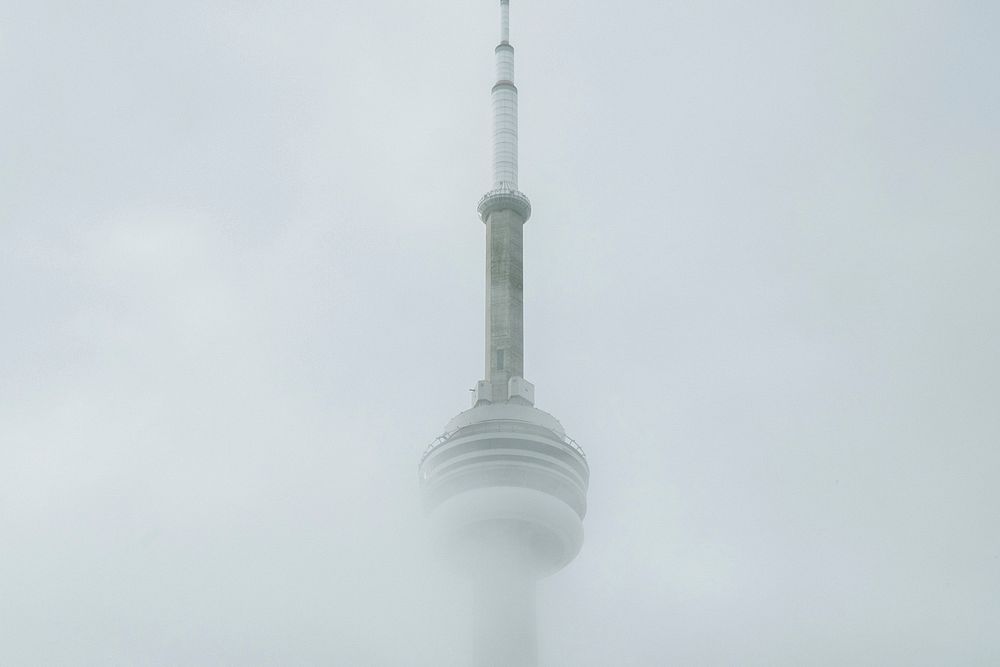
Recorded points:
(504, 487)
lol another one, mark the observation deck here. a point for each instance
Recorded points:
(505, 475)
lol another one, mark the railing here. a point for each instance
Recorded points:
(576, 447)
(446, 436)
(440, 440)
(504, 196)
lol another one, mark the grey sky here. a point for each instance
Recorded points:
(242, 288)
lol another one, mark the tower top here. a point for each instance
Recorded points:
(505, 195)
(504, 21)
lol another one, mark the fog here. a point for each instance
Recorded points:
(241, 283)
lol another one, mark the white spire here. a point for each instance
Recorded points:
(505, 109)
(504, 195)
(504, 21)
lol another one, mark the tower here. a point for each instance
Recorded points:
(504, 487)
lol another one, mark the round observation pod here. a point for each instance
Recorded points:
(504, 482)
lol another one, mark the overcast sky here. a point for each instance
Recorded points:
(241, 288)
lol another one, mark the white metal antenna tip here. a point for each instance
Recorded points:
(504, 21)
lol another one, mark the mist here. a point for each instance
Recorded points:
(241, 278)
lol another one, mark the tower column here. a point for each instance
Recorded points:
(504, 625)
(504, 486)
(504, 300)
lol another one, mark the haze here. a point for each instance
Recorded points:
(241, 285)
